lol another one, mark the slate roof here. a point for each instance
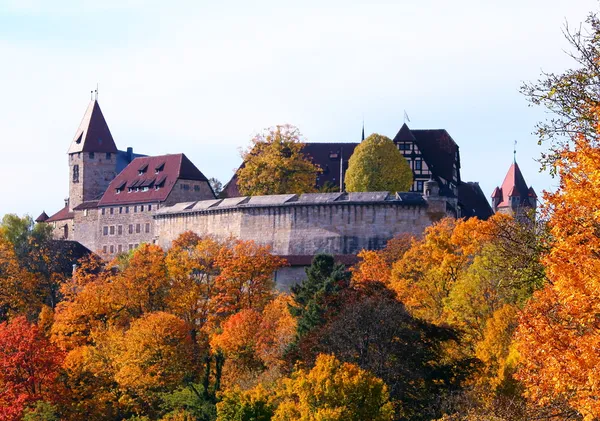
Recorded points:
(438, 148)
(42, 218)
(514, 185)
(174, 167)
(283, 200)
(61, 215)
(90, 204)
(473, 202)
(93, 134)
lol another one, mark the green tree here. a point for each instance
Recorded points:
(274, 164)
(570, 97)
(378, 165)
(311, 298)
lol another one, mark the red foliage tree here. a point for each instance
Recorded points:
(29, 366)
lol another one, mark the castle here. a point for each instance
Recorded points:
(119, 200)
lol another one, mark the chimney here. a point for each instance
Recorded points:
(129, 154)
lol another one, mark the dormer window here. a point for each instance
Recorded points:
(143, 169)
(79, 138)
(120, 187)
(91, 155)
(334, 155)
(159, 168)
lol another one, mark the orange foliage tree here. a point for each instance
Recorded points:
(559, 331)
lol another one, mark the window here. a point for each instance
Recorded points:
(136, 245)
(112, 249)
(120, 248)
(135, 209)
(126, 209)
(185, 187)
(404, 146)
(137, 229)
(196, 188)
(105, 230)
(103, 249)
(91, 155)
(145, 188)
(107, 155)
(85, 212)
(142, 208)
(130, 246)
(149, 208)
(120, 209)
(147, 227)
(418, 164)
(130, 228)
(419, 186)
(103, 211)
(76, 173)
(120, 230)
(112, 230)
(112, 211)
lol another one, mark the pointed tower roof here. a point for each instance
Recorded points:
(93, 134)
(404, 135)
(42, 218)
(514, 185)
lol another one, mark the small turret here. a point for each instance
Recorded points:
(513, 197)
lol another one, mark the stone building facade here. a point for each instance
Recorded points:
(113, 194)
(297, 227)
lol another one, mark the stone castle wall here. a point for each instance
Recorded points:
(303, 225)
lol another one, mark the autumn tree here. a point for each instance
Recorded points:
(275, 164)
(29, 367)
(378, 165)
(570, 96)
(558, 335)
(246, 277)
(333, 391)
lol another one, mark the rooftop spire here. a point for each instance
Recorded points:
(515, 153)
(93, 134)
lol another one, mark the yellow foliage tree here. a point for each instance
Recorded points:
(275, 164)
(333, 391)
(377, 165)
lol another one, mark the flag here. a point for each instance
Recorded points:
(406, 117)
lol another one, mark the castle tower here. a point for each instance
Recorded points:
(92, 158)
(514, 197)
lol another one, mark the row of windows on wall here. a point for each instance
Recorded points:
(119, 248)
(92, 155)
(186, 187)
(132, 228)
(126, 209)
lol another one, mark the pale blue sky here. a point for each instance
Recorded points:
(202, 77)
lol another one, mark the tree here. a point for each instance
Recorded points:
(275, 164)
(572, 95)
(29, 366)
(245, 280)
(156, 356)
(333, 391)
(216, 186)
(252, 405)
(558, 335)
(312, 297)
(378, 165)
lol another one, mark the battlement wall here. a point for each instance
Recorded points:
(336, 223)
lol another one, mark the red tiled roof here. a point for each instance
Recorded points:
(93, 134)
(175, 167)
(514, 185)
(306, 260)
(61, 215)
